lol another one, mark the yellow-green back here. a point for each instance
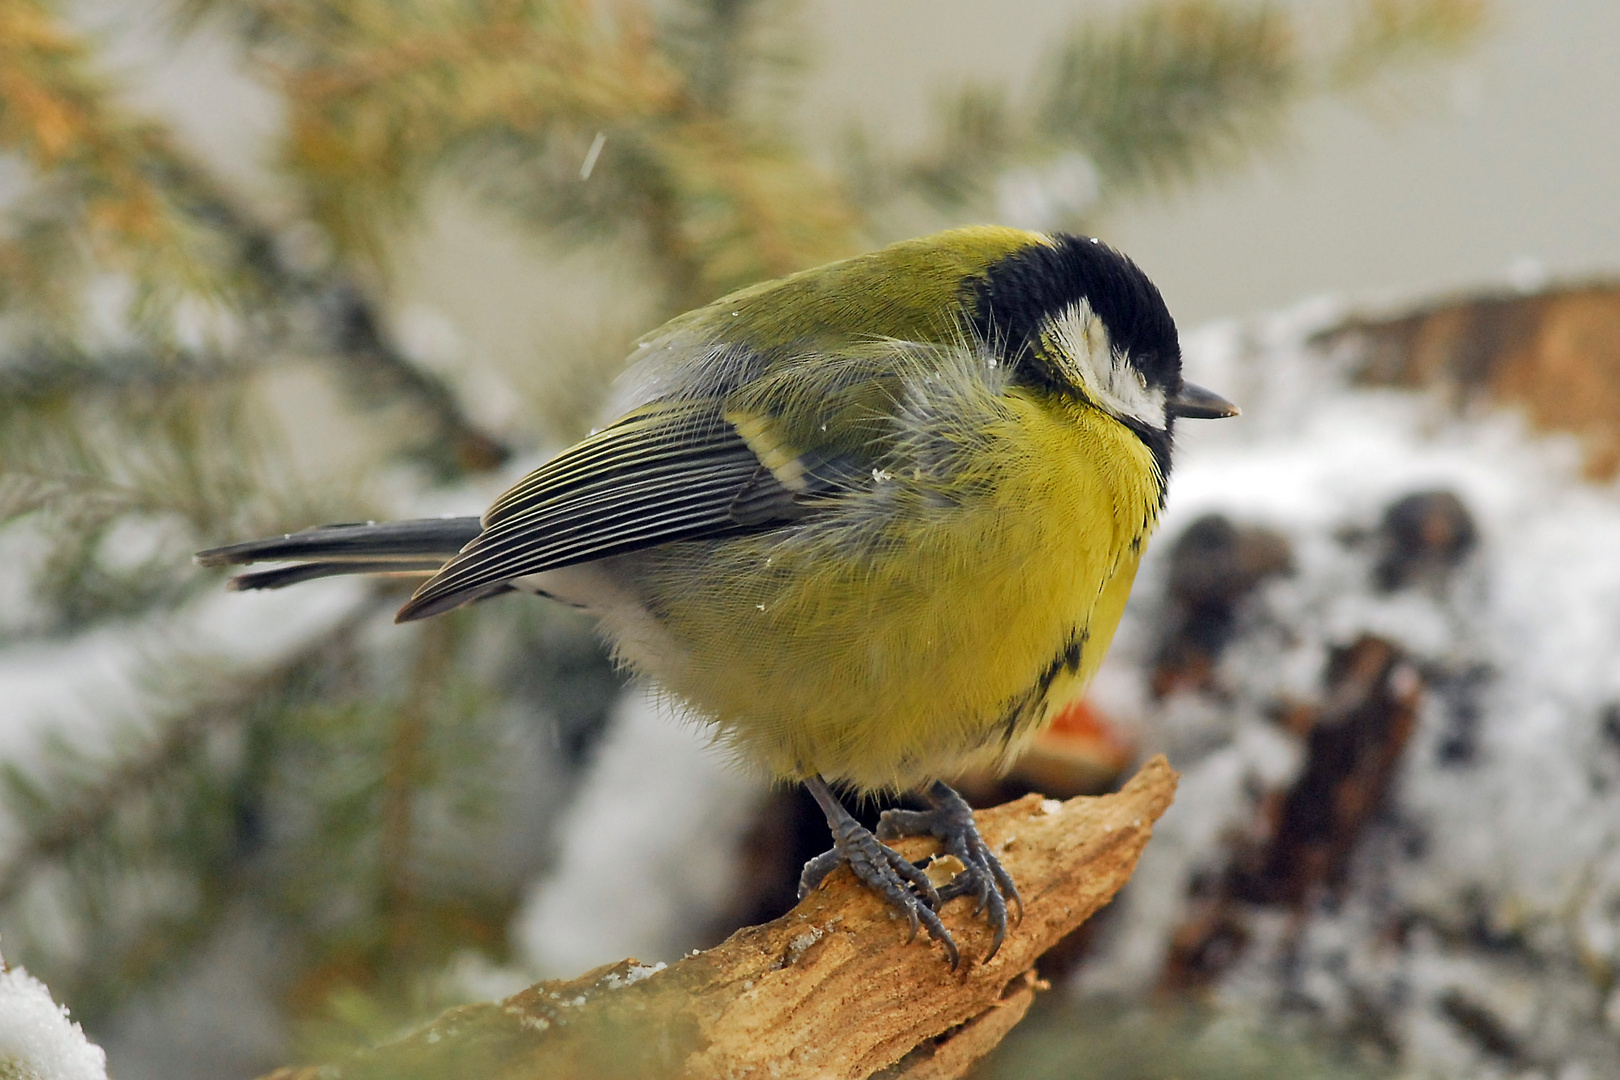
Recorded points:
(905, 291)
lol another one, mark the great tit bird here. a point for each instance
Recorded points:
(875, 522)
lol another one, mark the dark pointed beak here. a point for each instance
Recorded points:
(1196, 403)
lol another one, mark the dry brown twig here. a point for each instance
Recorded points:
(828, 991)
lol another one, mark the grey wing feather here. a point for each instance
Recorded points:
(662, 474)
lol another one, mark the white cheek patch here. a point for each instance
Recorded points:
(1105, 374)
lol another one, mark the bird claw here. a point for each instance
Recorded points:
(983, 877)
(900, 883)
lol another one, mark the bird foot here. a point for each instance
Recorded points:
(877, 866)
(951, 820)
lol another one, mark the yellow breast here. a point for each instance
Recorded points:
(936, 622)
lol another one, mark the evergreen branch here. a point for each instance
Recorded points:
(87, 797)
(725, 210)
(24, 491)
(118, 189)
(179, 810)
(980, 135)
(1171, 88)
(196, 451)
(52, 377)
(349, 335)
(1158, 97)
(350, 338)
(709, 40)
(511, 95)
(94, 169)
(715, 205)
(736, 56)
(123, 469)
(448, 441)
(1388, 33)
(376, 110)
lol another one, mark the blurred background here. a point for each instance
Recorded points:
(272, 263)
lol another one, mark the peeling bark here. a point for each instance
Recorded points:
(829, 991)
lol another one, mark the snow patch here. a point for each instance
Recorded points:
(37, 1040)
(648, 851)
(1516, 839)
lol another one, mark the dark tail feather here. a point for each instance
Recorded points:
(395, 547)
(427, 538)
(283, 576)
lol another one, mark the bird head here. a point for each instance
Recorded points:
(1071, 315)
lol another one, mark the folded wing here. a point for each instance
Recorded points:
(667, 472)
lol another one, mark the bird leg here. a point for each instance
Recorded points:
(877, 866)
(950, 819)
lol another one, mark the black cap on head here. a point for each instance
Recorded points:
(1016, 296)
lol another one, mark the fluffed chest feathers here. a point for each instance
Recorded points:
(886, 650)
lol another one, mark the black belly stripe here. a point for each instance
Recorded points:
(1024, 709)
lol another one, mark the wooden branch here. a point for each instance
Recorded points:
(829, 991)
